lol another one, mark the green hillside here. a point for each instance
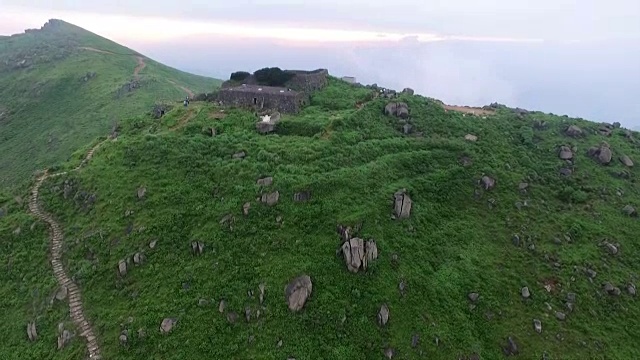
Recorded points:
(540, 226)
(62, 86)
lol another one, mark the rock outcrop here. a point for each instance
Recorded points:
(626, 161)
(602, 153)
(574, 131)
(488, 182)
(383, 315)
(398, 109)
(565, 153)
(297, 292)
(402, 204)
(357, 253)
(167, 324)
(31, 331)
(270, 198)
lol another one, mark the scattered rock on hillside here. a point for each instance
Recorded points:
(630, 210)
(465, 161)
(470, 137)
(221, 306)
(511, 348)
(159, 110)
(523, 186)
(141, 192)
(138, 258)
(560, 315)
(239, 155)
(626, 161)
(270, 198)
(402, 204)
(473, 297)
(266, 181)
(415, 340)
(602, 153)
(574, 131)
(611, 248)
(605, 129)
(31, 331)
(64, 336)
(357, 254)
(537, 326)
(245, 208)
(488, 183)
(566, 172)
(611, 290)
(383, 315)
(631, 288)
(565, 153)
(262, 288)
(197, 247)
(302, 196)
(153, 244)
(525, 292)
(389, 353)
(398, 109)
(62, 293)
(122, 267)
(167, 325)
(297, 292)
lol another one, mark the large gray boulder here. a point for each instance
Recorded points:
(566, 153)
(297, 292)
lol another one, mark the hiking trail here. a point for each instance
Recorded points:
(184, 120)
(141, 65)
(76, 308)
(187, 90)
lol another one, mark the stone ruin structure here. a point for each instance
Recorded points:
(289, 98)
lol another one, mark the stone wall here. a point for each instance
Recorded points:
(308, 81)
(285, 103)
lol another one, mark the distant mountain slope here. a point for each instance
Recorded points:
(542, 262)
(61, 86)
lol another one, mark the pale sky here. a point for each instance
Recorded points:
(579, 58)
(563, 20)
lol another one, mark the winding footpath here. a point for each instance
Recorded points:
(57, 238)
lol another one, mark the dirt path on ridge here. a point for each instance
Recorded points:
(76, 307)
(184, 120)
(185, 89)
(141, 65)
(96, 50)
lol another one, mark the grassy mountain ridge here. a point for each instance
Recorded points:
(459, 239)
(62, 86)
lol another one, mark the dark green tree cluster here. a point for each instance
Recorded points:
(239, 75)
(273, 76)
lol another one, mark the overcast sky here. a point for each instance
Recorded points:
(580, 58)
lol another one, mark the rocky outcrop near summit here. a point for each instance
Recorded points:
(402, 204)
(398, 109)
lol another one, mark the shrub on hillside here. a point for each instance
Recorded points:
(272, 76)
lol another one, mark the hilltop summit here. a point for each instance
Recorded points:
(62, 86)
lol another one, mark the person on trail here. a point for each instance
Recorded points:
(186, 102)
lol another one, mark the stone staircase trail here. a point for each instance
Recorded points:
(57, 238)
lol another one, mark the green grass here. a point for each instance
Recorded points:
(53, 111)
(352, 161)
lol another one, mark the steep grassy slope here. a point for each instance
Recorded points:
(62, 86)
(352, 161)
